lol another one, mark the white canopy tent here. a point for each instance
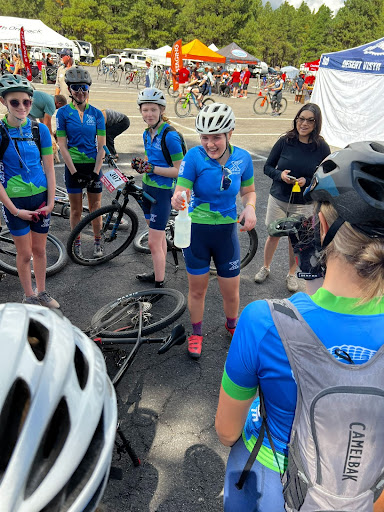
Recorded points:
(36, 33)
(349, 90)
(159, 55)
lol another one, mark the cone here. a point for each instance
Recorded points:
(260, 93)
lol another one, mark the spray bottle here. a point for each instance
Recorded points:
(182, 238)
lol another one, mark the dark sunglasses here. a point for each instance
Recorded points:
(225, 179)
(309, 120)
(16, 103)
(80, 87)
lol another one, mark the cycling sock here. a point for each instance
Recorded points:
(231, 322)
(159, 284)
(197, 328)
(98, 240)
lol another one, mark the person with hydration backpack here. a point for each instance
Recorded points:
(27, 185)
(317, 362)
(163, 155)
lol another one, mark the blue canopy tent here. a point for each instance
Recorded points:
(290, 71)
(349, 90)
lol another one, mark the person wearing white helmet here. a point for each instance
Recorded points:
(58, 414)
(27, 185)
(158, 177)
(215, 172)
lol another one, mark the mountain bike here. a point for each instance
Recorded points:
(56, 254)
(184, 104)
(62, 206)
(119, 223)
(261, 103)
(138, 313)
(109, 71)
(248, 244)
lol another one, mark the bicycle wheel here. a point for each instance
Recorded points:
(114, 238)
(140, 243)
(55, 249)
(261, 105)
(171, 92)
(99, 70)
(207, 101)
(183, 107)
(115, 76)
(120, 318)
(248, 246)
(283, 105)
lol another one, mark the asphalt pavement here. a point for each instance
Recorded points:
(167, 403)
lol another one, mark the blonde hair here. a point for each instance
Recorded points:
(365, 254)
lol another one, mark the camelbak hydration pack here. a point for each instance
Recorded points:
(336, 449)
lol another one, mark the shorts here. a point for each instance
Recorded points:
(20, 227)
(245, 87)
(279, 209)
(277, 95)
(262, 490)
(218, 242)
(204, 89)
(236, 84)
(73, 185)
(157, 214)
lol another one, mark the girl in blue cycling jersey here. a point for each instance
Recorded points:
(81, 137)
(215, 173)
(346, 314)
(27, 188)
(159, 177)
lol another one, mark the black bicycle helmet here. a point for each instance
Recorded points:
(77, 75)
(14, 83)
(352, 180)
(66, 52)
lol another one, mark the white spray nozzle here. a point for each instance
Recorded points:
(184, 196)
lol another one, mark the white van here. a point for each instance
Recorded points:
(83, 51)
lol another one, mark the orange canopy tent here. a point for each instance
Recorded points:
(196, 50)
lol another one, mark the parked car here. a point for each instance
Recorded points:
(36, 53)
(110, 60)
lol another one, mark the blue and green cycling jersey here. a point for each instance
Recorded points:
(257, 357)
(155, 155)
(22, 174)
(81, 135)
(199, 173)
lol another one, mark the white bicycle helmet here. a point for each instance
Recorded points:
(215, 118)
(151, 95)
(58, 414)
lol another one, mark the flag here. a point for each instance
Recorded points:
(24, 54)
(176, 62)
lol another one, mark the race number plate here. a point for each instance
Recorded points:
(113, 179)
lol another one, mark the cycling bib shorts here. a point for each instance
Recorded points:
(20, 227)
(72, 183)
(157, 214)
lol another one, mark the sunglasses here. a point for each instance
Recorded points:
(225, 179)
(80, 87)
(309, 120)
(16, 103)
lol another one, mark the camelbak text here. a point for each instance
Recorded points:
(354, 451)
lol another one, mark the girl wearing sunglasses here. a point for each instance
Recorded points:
(27, 187)
(79, 125)
(216, 172)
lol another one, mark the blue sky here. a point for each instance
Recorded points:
(334, 5)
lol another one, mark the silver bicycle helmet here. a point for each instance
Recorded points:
(215, 118)
(77, 75)
(151, 95)
(58, 414)
(352, 180)
(14, 83)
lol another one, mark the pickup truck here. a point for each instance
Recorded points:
(36, 53)
(128, 61)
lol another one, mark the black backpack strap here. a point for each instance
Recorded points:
(36, 135)
(255, 451)
(164, 148)
(4, 140)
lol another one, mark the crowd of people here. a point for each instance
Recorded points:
(340, 196)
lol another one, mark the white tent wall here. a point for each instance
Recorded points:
(36, 33)
(351, 104)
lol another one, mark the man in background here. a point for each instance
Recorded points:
(67, 62)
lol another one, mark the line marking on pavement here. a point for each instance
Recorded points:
(260, 157)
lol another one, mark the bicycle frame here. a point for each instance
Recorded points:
(191, 96)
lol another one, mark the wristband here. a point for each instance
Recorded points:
(17, 213)
(251, 204)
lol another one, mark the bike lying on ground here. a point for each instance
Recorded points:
(119, 224)
(248, 244)
(183, 105)
(261, 103)
(140, 313)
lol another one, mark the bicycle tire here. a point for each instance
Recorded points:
(171, 92)
(56, 254)
(112, 247)
(99, 70)
(170, 303)
(283, 105)
(140, 243)
(248, 249)
(260, 105)
(208, 100)
(183, 107)
(115, 76)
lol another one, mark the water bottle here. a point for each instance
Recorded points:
(182, 238)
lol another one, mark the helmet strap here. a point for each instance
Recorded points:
(330, 235)
(226, 147)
